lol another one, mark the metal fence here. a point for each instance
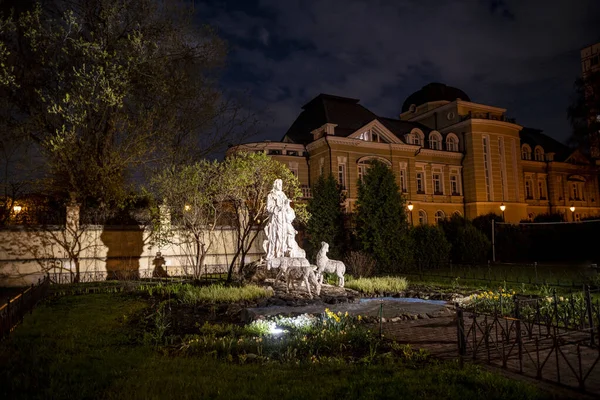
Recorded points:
(13, 311)
(539, 338)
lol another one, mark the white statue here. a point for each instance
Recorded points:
(324, 264)
(295, 268)
(280, 244)
(279, 232)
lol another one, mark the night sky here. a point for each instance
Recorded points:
(520, 55)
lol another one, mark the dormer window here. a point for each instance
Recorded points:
(525, 152)
(451, 142)
(435, 141)
(539, 153)
(415, 137)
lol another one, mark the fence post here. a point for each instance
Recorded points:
(493, 240)
(518, 326)
(460, 332)
(588, 305)
(9, 317)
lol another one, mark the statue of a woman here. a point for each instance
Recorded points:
(279, 224)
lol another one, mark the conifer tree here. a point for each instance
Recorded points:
(381, 218)
(326, 223)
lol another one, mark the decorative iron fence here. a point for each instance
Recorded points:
(540, 338)
(13, 311)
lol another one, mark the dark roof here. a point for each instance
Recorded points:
(535, 137)
(400, 128)
(434, 92)
(346, 113)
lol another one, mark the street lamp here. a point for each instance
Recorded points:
(572, 208)
(502, 208)
(17, 209)
(410, 208)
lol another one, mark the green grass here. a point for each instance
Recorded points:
(565, 275)
(218, 293)
(90, 346)
(384, 284)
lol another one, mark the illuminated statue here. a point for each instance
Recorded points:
(280, 234)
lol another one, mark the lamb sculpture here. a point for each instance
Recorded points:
(295, 268)
(324, 264)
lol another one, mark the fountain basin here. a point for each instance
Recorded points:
(398, 308)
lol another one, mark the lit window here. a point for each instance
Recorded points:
(362, 169)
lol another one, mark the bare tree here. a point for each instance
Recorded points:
(195, 198)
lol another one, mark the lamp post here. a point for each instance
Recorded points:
(572, 208)
(502, 208)
(410, 208)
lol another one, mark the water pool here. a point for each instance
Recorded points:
(404, 300)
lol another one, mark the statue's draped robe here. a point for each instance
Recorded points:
(277, 226)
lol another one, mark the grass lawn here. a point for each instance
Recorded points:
(89, 346)
(565, 278)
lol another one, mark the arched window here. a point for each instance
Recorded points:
(435, 141)
(416, 137)
(439, 216)
(422, 217)
(451, 142)
(457, 213)
(525, 152)
(539, 153)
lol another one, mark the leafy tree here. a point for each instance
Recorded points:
(470, 246)
(549, 217)
(326, 223)
(451, 227)
(584, 112)
(484, 223)
(195, 199)
(105, 86)
(381, 219)
(248, 178)
(430, 246)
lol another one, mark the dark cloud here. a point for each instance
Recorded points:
(521, 55)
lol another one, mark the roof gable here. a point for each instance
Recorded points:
(377, 127)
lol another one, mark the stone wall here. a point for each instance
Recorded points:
(27, 254)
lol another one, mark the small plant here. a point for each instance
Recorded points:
(360, 264)
(386, 284)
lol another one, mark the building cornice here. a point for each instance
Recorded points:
(267, 145)
(489, 122)
(440, 153)
(468, 104)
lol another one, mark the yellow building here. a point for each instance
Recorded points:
(449, 154)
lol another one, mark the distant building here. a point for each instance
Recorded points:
(590, 59)
(450, 156)
(590, 65)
